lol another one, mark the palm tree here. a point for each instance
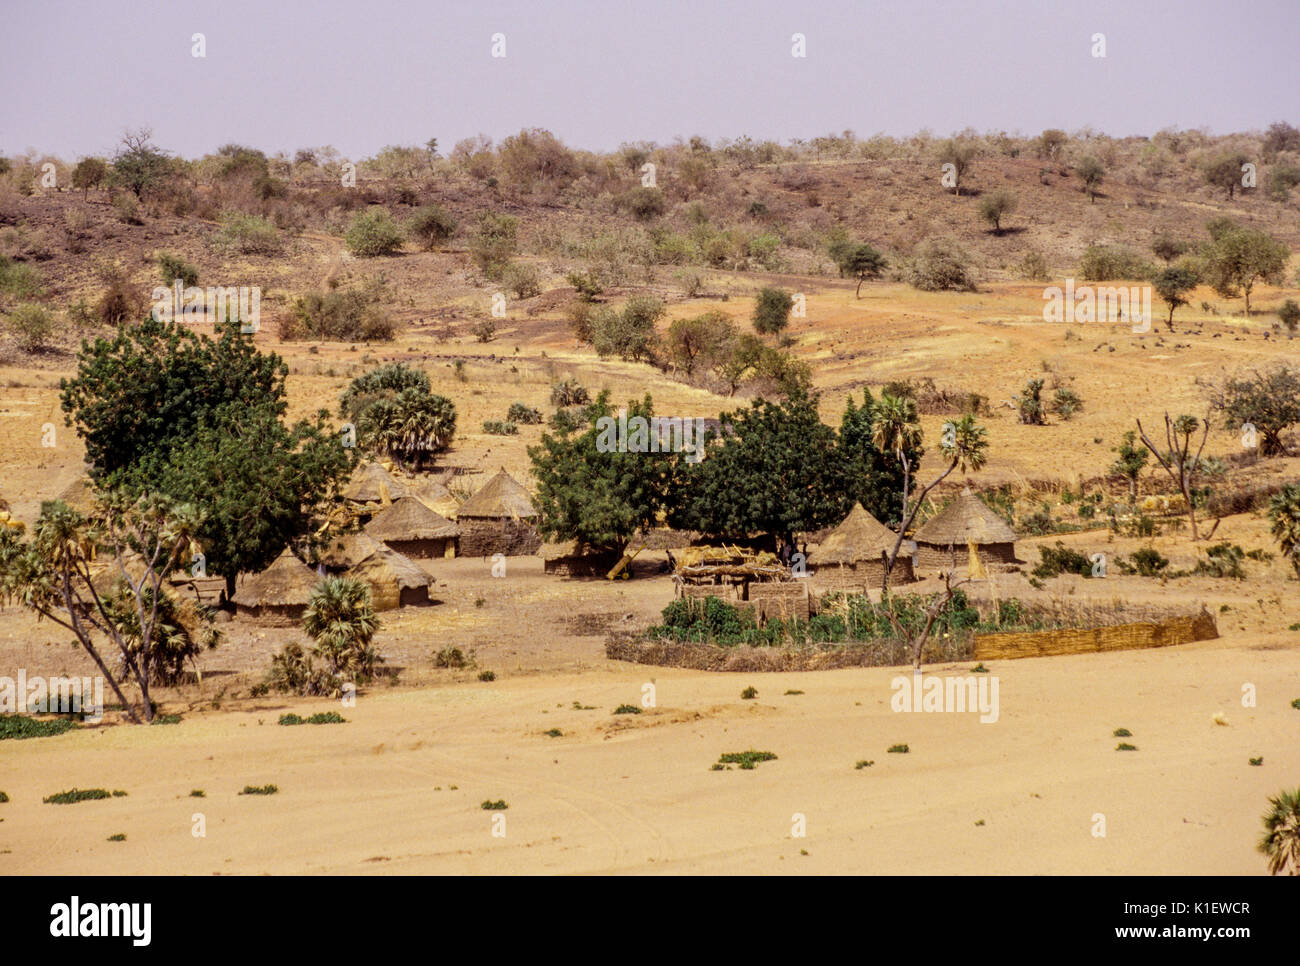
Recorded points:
(896, 429)
(1284, 511)
(341, 619)
(1282, 842)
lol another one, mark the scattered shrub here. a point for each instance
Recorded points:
(745, 759)
(248, 235)
(32, 325)
(453, 657)
(496, 427)
(487, 676)
(431, 226)
(627, 709)
(175, 267)
(497, 806)
(940, 265)
(520, 413)
(18, 726)
(749, 693)
(899, 749)
(74, 795)
(522, 279)
(260, 790)
(373, 233)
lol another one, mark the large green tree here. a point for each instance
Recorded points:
(776, 469)
(164, 410)
(875, 477)
(595, 493)
(1237, 258)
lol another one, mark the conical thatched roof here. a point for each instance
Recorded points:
(347, 550)
(371, 483)
(287, 582)
(435, 495)
(409, 519)
(860, 536)
(389, 573)
(80, 495)
(501, 497)
(966, 520)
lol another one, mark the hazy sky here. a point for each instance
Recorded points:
(360, 75)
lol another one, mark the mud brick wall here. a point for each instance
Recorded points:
(484, 537)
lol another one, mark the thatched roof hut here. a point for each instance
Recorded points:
(346, 550)
(500, 498)
(80, 495)
(435, 495)
(411, 528)
(499, 518)
(664, 538)
(943, 542)
(395, 580)
(853, 554)
(279, 594)
(371, 483)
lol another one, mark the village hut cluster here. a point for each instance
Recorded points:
(392, 526)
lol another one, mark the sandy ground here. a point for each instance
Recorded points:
(399, 787)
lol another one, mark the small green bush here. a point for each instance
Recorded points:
(19, 726)
(74, 795)
(175, 267)
(19, 280)
(899, 749)
(248, 235)
(1257, 761)
(1125, 746)
(553, 733)
(452, 657)
(487, 676)
(749, 694)
(431, 226)
(1122, 733)
(496, 427)
(863, 764)
(521, 413)
(119, 837)
(498, 806)
(373, 233)
(1106, 263)
(260, 790)
(627, 709)
(745, 759)
(32, 325)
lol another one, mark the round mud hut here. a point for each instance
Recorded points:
(853, 555)
(411, 528)
(279, 594)
(499, 518)
(946, 540)
(394, 580)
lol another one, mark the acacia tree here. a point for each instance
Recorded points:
(897, 430)
(1176, 459)
(1267, 399)
(959, 153)
(1237, 258)
(860, 261)
(52, 573)
(1091, 173)
(1172, 284)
